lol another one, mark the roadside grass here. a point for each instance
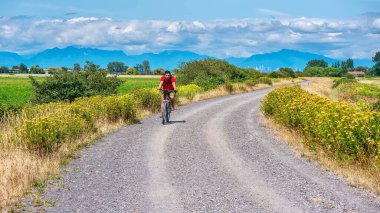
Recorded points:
(24, 167)
(340, 136)
(359, 92)
(357, 175)
(364, 95)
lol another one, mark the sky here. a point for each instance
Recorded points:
(239, 28)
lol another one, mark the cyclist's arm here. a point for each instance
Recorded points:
(174, 86)
(160, 86)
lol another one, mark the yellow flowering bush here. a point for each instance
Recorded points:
(341, 129)
(148, 98)
(189, 91)
(47, 126)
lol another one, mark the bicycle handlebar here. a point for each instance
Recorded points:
(166, 90)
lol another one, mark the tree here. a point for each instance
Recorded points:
(91, 67)
(158, 71)
(64, 69)
(52, 70)
(116, 67)
(288, 72)
(317, 63)
(376, 58)
(139, 69)
(23, 68)
(347, 65)
(77, 68)
(146, 67)
(362, 68)
(4, 69)
(376, 67)
(323, 71)
(36, 70)
(132, 71)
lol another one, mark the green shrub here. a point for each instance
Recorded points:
(350, 76)
(211, 73)
(209, 83)
(67, 86)
(251, 83)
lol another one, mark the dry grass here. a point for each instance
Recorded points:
(366, 177)
(374, 81)
(20, 168)
(322, 87)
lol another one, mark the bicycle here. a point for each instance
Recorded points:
(167, 109)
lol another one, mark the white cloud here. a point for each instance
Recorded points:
(333, 34)
(221, 38)
(81, 20)
(376, 23)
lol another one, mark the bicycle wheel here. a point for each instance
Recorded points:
(168, 112)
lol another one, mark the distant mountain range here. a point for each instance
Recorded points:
(68, 56)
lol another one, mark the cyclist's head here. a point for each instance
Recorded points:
(168, 73)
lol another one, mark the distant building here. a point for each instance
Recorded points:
(15, 71)
(357, 73)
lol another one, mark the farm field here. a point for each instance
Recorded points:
(137, 82)
(16, 90)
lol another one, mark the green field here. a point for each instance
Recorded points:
(133, 83)
(16, 91)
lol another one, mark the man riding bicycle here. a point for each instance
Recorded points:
(167, 82)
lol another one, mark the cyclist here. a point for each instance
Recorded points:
(167, 82)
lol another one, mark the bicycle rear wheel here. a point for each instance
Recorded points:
(166, 112)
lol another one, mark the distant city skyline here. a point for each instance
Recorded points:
(338, 29)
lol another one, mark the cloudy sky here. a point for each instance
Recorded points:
(335, 28)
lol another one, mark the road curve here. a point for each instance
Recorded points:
(214, 157)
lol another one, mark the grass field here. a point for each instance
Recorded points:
(15, 91)
(135, 82)
(374, 81)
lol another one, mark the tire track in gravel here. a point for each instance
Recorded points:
(163, 195)
(250, 180)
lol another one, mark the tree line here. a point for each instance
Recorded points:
(319, 67)
(115, 67)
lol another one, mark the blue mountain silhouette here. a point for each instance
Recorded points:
(68, 56)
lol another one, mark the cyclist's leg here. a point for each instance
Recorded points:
(172, 100)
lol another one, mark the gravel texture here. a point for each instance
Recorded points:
(214, 157)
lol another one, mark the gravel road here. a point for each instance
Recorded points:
(214, 157)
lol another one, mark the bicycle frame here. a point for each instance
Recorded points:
(166, 109)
